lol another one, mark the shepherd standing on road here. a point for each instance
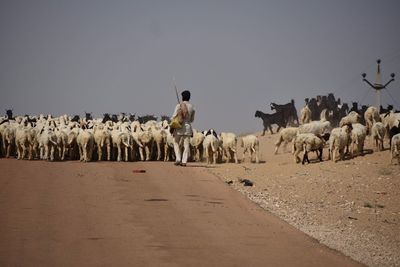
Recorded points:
(183, 134)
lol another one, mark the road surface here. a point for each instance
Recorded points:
(104, 214)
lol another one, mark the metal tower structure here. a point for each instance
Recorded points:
(378, 86)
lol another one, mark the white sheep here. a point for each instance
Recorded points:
(8, 139)
(358, 135)
(378, 132)
(145, 139)
(211, 148)
(85, 141)
(229, 146)
(252, 144)
(316, 127)
(102, 139)
(72, 143)
(395, 148)
(160, 139)
(391, 121)
(33, 143)
(22, 141)
(62, 142)
(169, 146)
(352, 117)
(124, 142)
(338, 141)
(121, 141)
(371, 116)
(3, 125)
(196, 141)
(307, 142)
(286, 135)
(305, 115)
(47, 143)
(313, 143)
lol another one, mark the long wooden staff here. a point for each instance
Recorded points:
(176, 91)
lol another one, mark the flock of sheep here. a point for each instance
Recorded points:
(61, 138)
(346, 139)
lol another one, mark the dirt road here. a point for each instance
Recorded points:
(103, 214)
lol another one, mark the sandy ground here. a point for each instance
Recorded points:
(103, 214)
(352, 206)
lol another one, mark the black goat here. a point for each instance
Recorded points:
(114, 118)
(106, 117)
(9, 113)
(165, 118)
(393, 131)
(88, 116)
(76, 118)
(146, 118)
(269, 119)
(288, 111)
(385, 110)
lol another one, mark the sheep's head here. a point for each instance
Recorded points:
(349, 127)
(213, 132)
(132, 117)
(325, 136)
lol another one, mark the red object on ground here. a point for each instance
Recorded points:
(138, 171)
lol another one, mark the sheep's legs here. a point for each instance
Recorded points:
(126, 154)
(147, 153)
(320, 154)
(52, 153)
(119, 153)
(158, 151)
(99, 153)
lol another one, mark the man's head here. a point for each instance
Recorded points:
(185, 95)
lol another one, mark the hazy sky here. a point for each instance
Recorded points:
(234, 56)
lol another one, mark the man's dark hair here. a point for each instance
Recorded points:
(185, 95)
